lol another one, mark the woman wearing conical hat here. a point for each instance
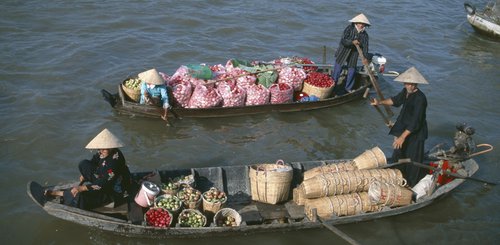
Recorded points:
(410, 128)
(104, 179)
(354, 34)
(154, 91)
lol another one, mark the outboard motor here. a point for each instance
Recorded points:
(464, 145)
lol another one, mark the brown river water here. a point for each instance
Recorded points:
(55, 56)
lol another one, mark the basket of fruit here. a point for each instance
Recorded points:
(318, 84)
(158, 217)
(227, 217)
(192, 218)
(132, 88)
(169, 202)
(170, 188)
(184, 180)
(190, 197)
(213, 199)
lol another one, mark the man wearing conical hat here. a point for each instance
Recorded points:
(410, 128)
(154, 91)
(347, 53)
(104, 179)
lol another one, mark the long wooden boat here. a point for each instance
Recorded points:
(234, 180)
(123, 105)
(486, 21)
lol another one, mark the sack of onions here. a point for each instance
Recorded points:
(181, 91)
(257, 94)
(204, 97)
(232, 94)
(158, 217)
(213, 199)
(292, 76)
(192, 218)
(281, 93)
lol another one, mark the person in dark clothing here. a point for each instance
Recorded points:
(103, 179)
(410, 128)
(354, 34)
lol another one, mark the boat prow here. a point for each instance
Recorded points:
(486, 21)
(36, 192)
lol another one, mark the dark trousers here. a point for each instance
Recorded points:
(349, 81)
(413, 149)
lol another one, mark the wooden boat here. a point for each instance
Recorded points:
(234, 180)
(123, 105)
(486, 21)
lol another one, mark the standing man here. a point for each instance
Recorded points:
(354, 34)
(410, 129)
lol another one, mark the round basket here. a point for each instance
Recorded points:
(227, 217)
(213, 206)
(170, 188)
(173, 205)
(187, 199)
(192, 218)
(270, 183)
(161, 223)
(321, 93)
(133, 95)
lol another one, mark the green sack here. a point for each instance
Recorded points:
(267, 78)
(200, 71)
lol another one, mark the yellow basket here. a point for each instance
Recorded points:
(133, 95)
(321, 93)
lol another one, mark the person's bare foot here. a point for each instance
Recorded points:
(53, 193)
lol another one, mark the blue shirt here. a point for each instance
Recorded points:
(159, 91)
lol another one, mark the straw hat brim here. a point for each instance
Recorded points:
(152, 77)
(105, 140)
(360, 18)
(411, 76)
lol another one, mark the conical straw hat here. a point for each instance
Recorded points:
(152, 77)
(411, 76)
(360, 18)
(104, 140)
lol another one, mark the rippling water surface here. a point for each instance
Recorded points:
(55, 56)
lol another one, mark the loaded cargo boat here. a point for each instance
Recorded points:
(123, 103)
(261, 205)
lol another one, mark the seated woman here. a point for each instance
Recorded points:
(154, 91)
(104, 179)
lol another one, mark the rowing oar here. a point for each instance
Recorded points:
(334, 229)
(387, 121)
(451, 174)
(374, 82)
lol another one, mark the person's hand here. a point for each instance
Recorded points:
(355, 42)
(82, 179)
(374, 101)
(74, 191)
(365, 61)
(398, 142)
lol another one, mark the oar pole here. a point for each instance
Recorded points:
(387, 121)
(374, 82)
(333, 229)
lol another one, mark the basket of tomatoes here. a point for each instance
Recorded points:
(158, 217)
(318, 84)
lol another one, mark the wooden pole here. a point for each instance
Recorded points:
(374, 82)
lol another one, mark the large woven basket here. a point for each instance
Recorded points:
(330, 168)
(133, 95)
(340, 205)
(391, 195)
(270, 183)
(319, 92)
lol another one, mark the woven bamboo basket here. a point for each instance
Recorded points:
(340, 205)
(168, 224)
(183, 218)
(371, 158)
(299, 197)
(222, 215)
(391, 195)
(330, 168)
(270, 183)
(212, 206)
(319, 92)
(133, 95)
(173, 210)
(349, 182)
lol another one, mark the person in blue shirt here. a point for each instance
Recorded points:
(154, 91)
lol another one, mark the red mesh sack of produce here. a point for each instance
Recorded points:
(281, 93)
(205, 97)
(182, 73)
(257, 94)
(181, 91)
(232, 94)
(292, 76)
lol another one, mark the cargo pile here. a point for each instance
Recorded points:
(240, 83)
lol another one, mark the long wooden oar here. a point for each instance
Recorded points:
(387, 121)
(374, 82)
(452, 174)
(332, 228)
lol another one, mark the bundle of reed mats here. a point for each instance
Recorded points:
(389, 194)
(340, 205)
(270, 183)
(213, 199)
(227, 217)
(371, 158)
(339, 166)
(298, 195)
(330, 184)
